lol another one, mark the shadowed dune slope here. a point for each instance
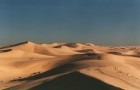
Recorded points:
(74, 81)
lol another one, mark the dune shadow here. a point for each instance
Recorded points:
(120, 54)
(14, 45)
(5, 50)
(75, 81)
(85, 51)
(71, 45)
(115, 53)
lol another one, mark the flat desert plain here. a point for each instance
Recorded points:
(69, 66)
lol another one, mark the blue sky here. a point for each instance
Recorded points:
(103, 22)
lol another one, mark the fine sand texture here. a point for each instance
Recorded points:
(69, 66)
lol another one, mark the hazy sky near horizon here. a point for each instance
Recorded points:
(103, 22)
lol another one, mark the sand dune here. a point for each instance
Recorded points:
(69, 66)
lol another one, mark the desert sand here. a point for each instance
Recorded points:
(69, 66)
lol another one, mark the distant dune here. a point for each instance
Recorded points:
(69, 66)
